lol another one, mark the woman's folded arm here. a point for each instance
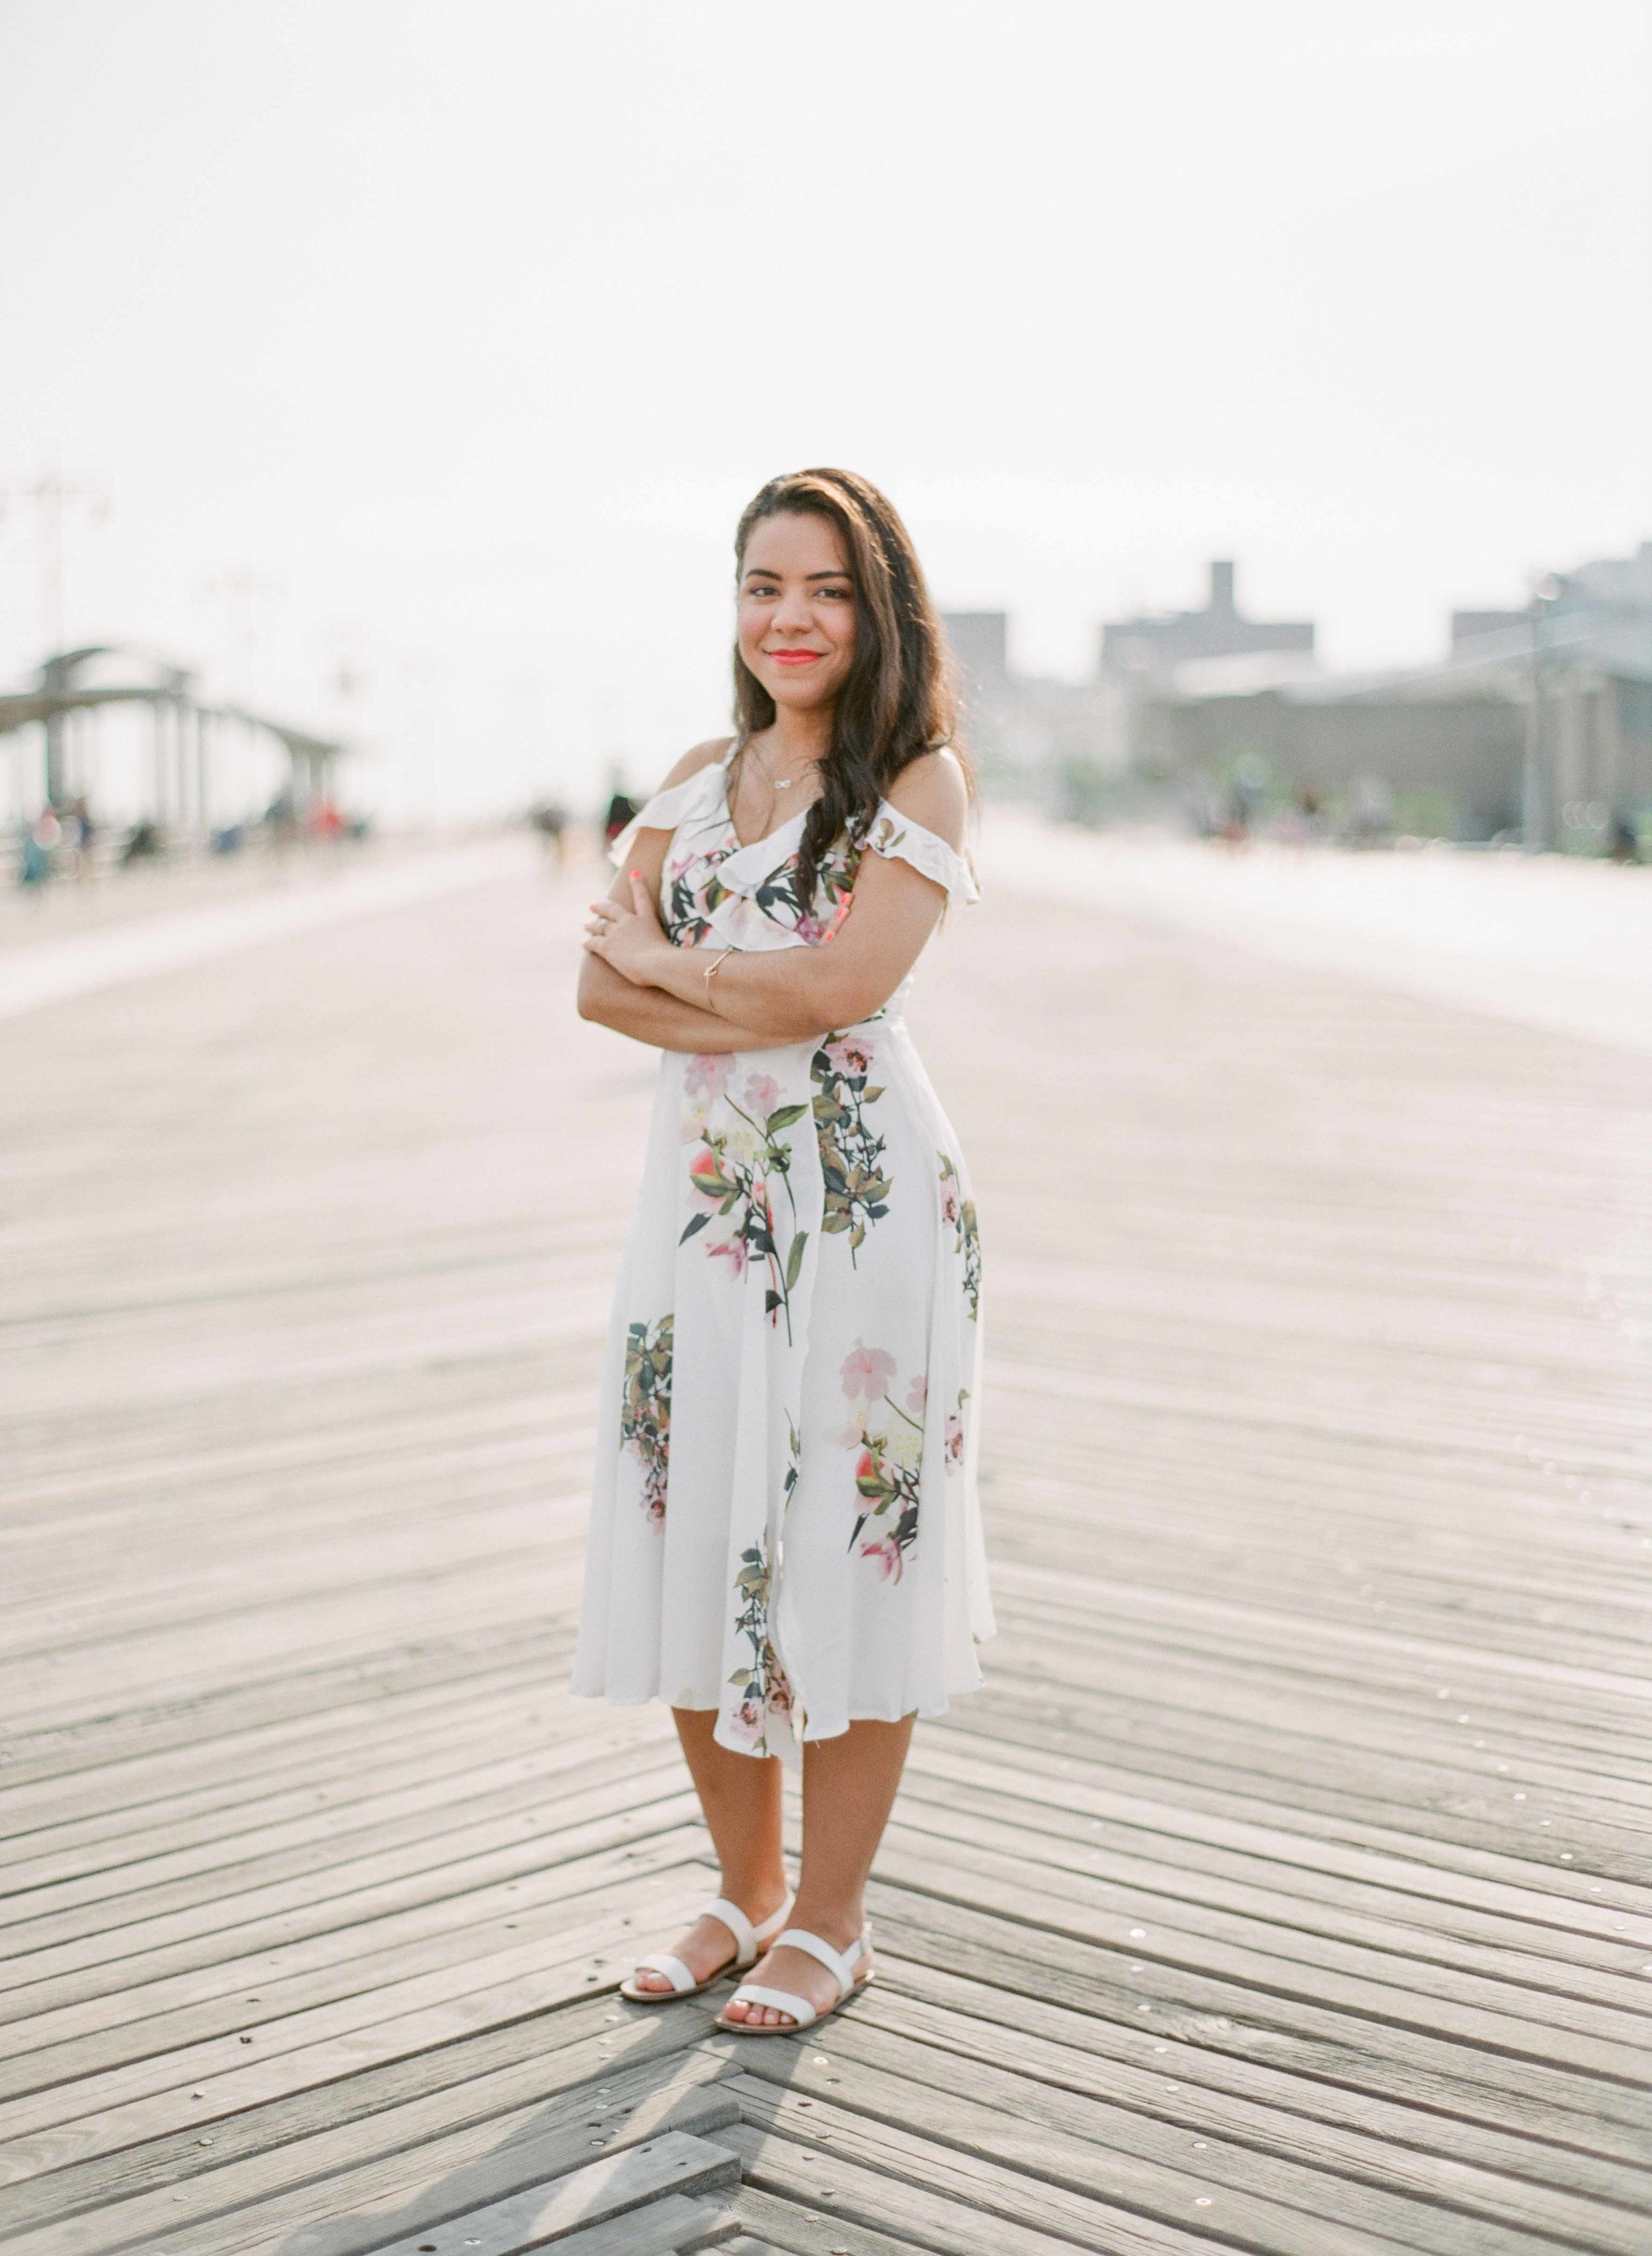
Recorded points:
(650, 1015)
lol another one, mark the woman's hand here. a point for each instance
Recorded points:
(631, 942)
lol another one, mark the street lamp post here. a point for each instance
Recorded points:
(1537, 778)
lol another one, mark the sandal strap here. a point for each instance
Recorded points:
(840, 1964)
(784, 2001)
(739, 1926)
(746, 1937)
(775, 1920)
(662, 1962)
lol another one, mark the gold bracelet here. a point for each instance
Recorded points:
(711, 972)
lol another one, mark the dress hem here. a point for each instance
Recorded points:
(833, 1730)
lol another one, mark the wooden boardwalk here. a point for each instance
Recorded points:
(1288, 1889)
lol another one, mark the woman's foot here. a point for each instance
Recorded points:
(798, 1973)
(708, 1946)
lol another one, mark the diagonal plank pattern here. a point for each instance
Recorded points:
(1285, 1891)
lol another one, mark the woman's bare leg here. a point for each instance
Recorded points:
(740, 1795)
(849, 1787)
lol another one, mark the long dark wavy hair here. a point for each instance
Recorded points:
(898, 699)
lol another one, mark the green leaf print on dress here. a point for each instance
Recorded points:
(690, 902)
(958, 1212)
(890, 1442)
(644, 1411)
(778, 896)
(851, 1151)
(763, 1688)
(731, 1172)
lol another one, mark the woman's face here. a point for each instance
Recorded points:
(796, 617)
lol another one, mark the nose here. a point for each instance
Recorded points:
(792, 613)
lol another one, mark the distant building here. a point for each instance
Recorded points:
(1026, 735)
(1156, 643)
(1537, 722)
(1468, 626)
(980, 643)
(1437, 758)
(1072, 745)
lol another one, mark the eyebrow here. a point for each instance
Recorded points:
(760, 571)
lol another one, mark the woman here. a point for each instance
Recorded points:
(785, 1539)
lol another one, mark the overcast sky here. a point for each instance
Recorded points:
(463, 332)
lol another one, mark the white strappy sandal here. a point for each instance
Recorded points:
(841, 1964)
(746, 1941)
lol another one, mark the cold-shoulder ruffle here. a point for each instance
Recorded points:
(897, 837)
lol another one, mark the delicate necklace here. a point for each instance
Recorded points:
(774, 782)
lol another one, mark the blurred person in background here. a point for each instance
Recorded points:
(785, 1540)
(84, 830)
(40, 841)
(549, 820)
(281, 823)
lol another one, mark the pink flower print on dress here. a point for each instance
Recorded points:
(850, 1059)
(778, 1687)
(707, 1076)
(735, 1248)
(955, 1434)
(918, 1394)
(762, 1094)
(867, 1373)
(887, 1552)
(706, 1176)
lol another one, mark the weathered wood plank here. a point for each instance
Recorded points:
(1160, 1847)
(1400, 2142)
(342, 2189)
(941, 2195)
(88, 2164)
(1603, 2034)
(677, 2162)
(1595, 2114)
(1347, 2188)
(310, 2045)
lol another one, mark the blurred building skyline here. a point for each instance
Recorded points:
(1155, 644)
(1535, 721)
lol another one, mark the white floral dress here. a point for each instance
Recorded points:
(784, 1525)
